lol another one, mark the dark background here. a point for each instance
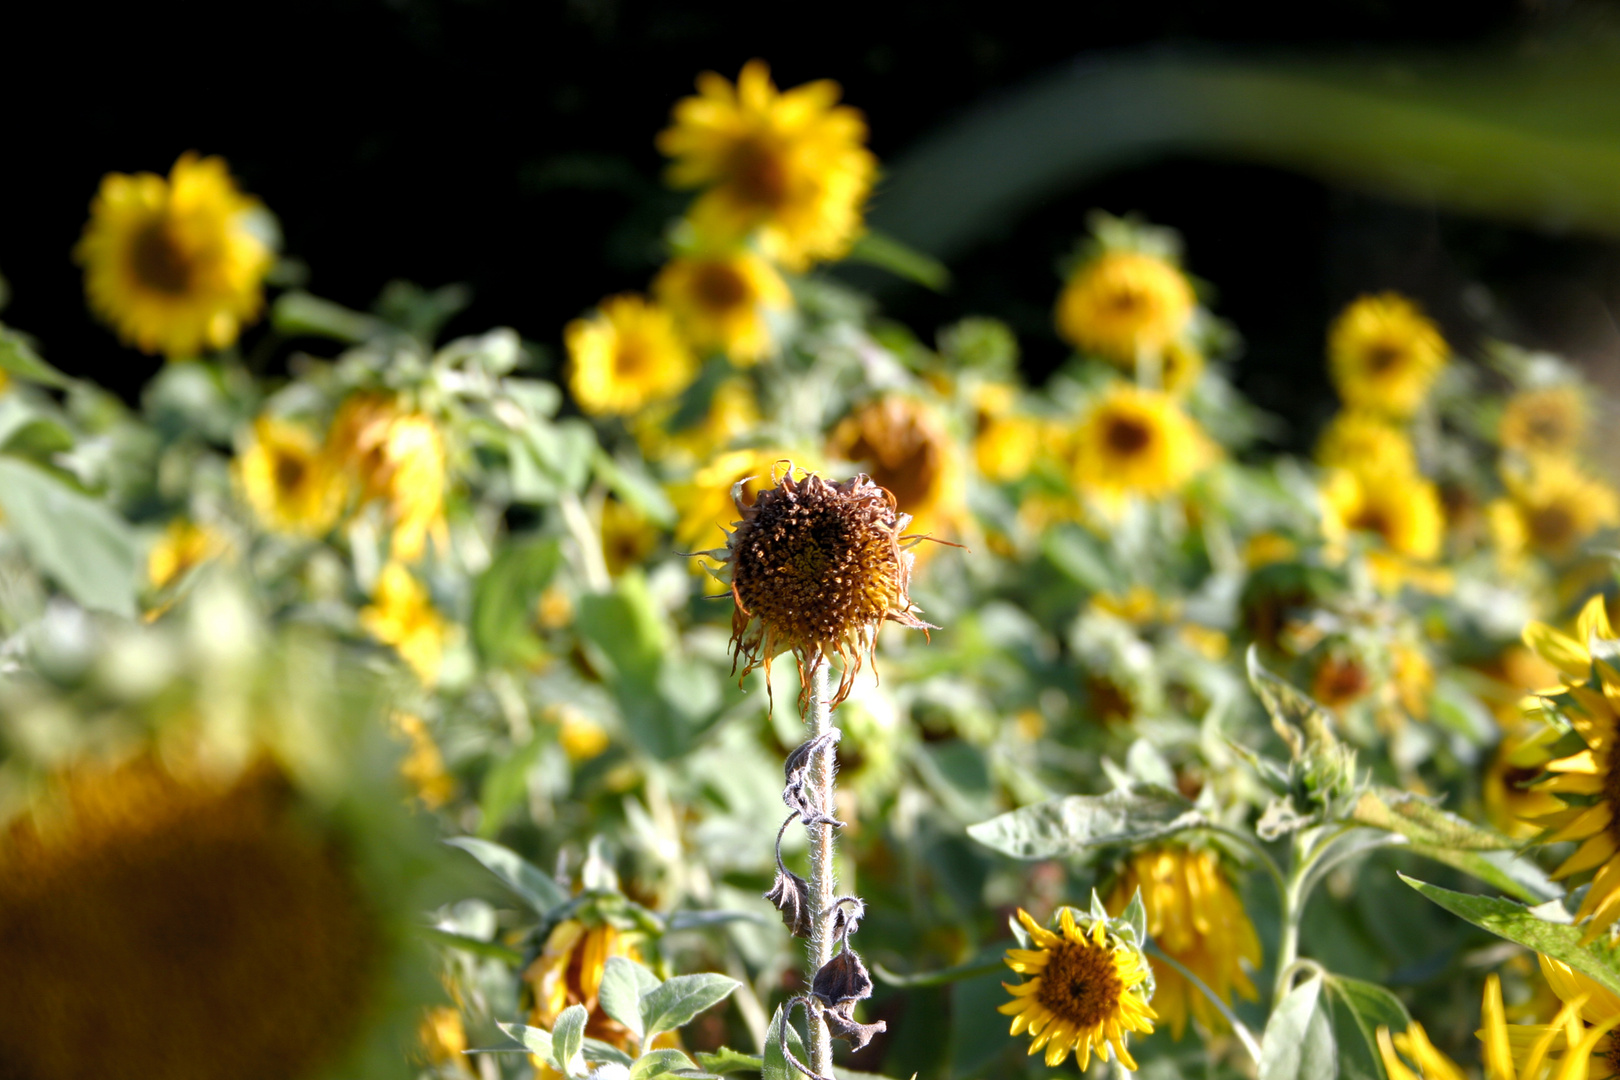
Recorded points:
(508, 145)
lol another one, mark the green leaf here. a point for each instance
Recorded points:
(537, 888)
(567, 1036)
(702, 920)
(598, 1052)
(492, 950)
(726, 1060)
(17, 357)
(535, 1039)
(623, 983)
(773, 1065)
(1298, 1044)
(1073, 823)
(1424, 823)
(504, 599)
(298, 314)
(1504, 918)
(657, 1063)
(676, 1001)
(1297, 719)
(78, 541)
(1359, 1010)
(629, 481)
(887, 253)
(1135, 916)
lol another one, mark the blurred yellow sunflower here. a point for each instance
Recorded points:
(1519, 759)
(733, 414)
(790, 169)
(175, 266)
(626, 356)
(423, 765)
(402, 614)
(720, 301)
(1005, 441)
(903, 445)
(1550, 420)
(1384, 354)
(1084, 990)
(1401, 509)
(569, 971)
(1365, 441)
(398, 457)
(183, 546)
(287, 480)
(1558, 505)
(627, 536)
(1123, 304)
(1196, 917)
(1133, 441)
(1591, 777)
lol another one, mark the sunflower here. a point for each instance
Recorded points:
(903, 445)
(175, 266)
(1122, 305)
(1005, 441)
(1583, 1030)
(1365, 441)
(788, 169)
(1559, 506)
(1196, 917)
(1384, 354)
(402, 614)
(288, 482)
(1591, 777)
(720, 301)
(704, 503)
(1519, 759)
(183, 546)
(397, 457)
(627, 536)
(1402, 510)
(626, 356)
(1087, 990)
(1133, 441)
(1550, 420)
(423, 765)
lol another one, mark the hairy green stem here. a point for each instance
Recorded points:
(823, 881)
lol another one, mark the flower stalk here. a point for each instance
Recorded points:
(823, 883)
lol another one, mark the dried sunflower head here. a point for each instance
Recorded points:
(816, 568)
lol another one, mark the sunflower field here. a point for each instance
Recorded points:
(477, 708)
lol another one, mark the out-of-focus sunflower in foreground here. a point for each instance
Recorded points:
(1196, 917)
(1384, 354)
(175, 266)
(1085, 990)
(1122, 305)
(626, 356)
(788, 168)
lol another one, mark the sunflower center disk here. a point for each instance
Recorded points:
(159, 262)
(1081, 985)
(1127, 435)
(759, 174)
(720, 287)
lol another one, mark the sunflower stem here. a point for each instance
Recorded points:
(823, 882)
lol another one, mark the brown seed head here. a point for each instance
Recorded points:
(816, 568)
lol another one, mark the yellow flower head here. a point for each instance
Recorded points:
(288, 482)
(1551, 420)
(1085, 989)
(1133, 441)
(184, 546)
(790, 169)
(569, 971)
(1006, 442)
(398, 457)
(627, 536)
(1365, 441)
(174, 265)
(1559, 505)
(626, 356)
(1123, 304)
(1400, 509)
(1196, 917)
(423, 766)
(1519, 759)
(402, 614)
(733, 415)
(1384, 354)
(720, 301)
(903, 446)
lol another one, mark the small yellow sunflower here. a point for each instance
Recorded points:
(1006, 442)
(1365, 441)
(1550, 420)
(1558, 505)
(1133, 441)
(183, 547)
(903, 445)
(287, 480)
(398, 457)
(402, 614)
(720, 301)
(1196, 917)
(1384, 354)
(626, 356)
(1400, 509)
(175, 266)
(1086, 990)
(790, 169)
(1123, 304)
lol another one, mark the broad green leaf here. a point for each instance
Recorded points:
(1298, 1044)
(630, 482)
(1424, 823)
(887, 253)
(298, 314)
(492, 950)
(1359, 1009)
(675, 1002)
(77, 540)
(504, 599)
(537, 888)
(1070, 825)
(537, 1041)
(1297, 719)
(1504, 918)
(567, 1036)
(726, 1060)
(623, 983)
(1135, 916)
(506, 785)
(598, 1052)
(773, 1065)
(657, 1063)
(17, 357)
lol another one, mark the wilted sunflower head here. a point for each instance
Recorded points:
(816, 568)
(903, 446)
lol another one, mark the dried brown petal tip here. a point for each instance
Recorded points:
(816, 568)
